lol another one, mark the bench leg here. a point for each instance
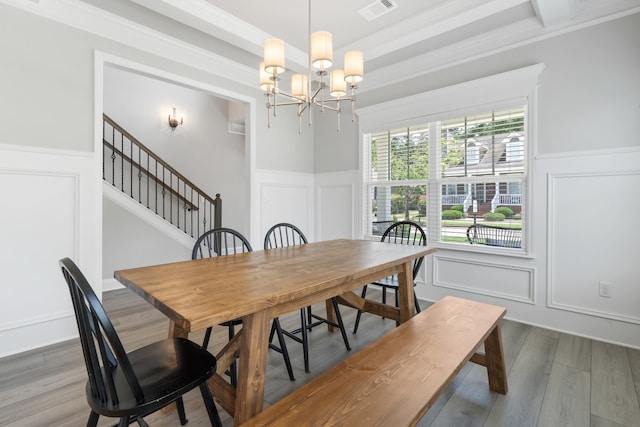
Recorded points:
(494, 359)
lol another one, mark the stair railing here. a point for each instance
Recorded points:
(141, 174)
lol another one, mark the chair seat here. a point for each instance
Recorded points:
(132, 385)
(279, 236)
(402, 233)
(165, 369)
(389, 282)
(233, 322)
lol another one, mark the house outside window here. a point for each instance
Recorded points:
(432, 173)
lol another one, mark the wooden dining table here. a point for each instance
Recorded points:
(261, 285)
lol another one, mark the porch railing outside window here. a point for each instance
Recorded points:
(424, 172)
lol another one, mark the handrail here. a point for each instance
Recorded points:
(124, 169)
(150, 175)
(157, 158)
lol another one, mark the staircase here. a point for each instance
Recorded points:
(144, 177)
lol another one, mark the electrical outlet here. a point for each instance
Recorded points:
(605, 289)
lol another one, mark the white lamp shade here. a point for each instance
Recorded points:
(299, 86)
(321, 50)
(353, 66)
(337, 84)
(274, 56)
(266, 83)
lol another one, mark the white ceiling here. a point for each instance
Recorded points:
(416, 36)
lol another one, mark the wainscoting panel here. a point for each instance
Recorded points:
(284, 197)
(336, 198)
(496, 280)
(593, 238)
(49, 213)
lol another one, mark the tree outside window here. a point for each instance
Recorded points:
(478, 157)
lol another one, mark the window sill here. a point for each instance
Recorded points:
(486, 250)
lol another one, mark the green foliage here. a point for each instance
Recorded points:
(506, 211)
(457, 208)
(490, 128)
(493, 217)
(422, 205)
(397, 203)
(408, 157)
(451, 214)
(451, 156)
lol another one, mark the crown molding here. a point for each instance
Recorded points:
(95, 21)
(216, 22)
(519, 34)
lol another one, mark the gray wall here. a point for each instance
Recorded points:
(46, 82)
(127, 240)
(202, 149)
(47, 88)
(589, 91)
(589, 96)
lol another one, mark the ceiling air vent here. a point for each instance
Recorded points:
(377, 9)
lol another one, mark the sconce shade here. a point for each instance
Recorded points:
(321, 50)
(353, 66)
(299, 86)
(173, 120)
(274, 56)
(266, 83)
(337, 84)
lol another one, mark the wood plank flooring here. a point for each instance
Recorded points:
(554, 379)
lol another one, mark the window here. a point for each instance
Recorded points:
(433, 172)
(398, 175)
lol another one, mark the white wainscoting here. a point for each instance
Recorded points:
(323, 206)
(584, 231)
(51, 210)
(593, 238)
(502, 281)
(283, 197)
(337, 205)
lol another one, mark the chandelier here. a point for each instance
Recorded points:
(320, 60)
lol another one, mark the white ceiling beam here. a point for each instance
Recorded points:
(553, 12)
(216, 22)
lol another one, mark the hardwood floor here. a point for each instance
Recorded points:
(554, 379)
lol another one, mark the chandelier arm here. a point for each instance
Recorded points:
(268, 110)
(295, 100)
(284, 104)
(353, 103)
(318, 91)
(329, 107)
(304, 99)
(275, 94)
(321, 91)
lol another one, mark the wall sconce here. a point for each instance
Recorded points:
(173, 120)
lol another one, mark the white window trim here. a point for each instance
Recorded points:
(464, 98)
(494, 92)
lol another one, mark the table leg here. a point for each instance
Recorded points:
(176, 331)
(405, 292)
(331, 315)
(494, 357)
(252, 365)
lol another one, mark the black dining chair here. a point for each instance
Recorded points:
(402, 233)
(130, 386)
(221, 242)
(282, 235)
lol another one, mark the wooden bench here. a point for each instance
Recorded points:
(493, 235)
(397, 378)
